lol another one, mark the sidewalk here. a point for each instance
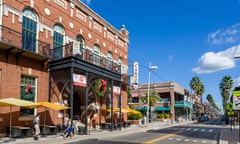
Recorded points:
(98, 134)
(228, 136)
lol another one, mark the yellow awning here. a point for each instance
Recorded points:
(133, 111)
(53, 106)
(114, 110)
(124, 110)
(10, 102)
(16, 102)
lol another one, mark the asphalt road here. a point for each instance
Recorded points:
(199, 133)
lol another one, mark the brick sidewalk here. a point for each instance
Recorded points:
(229, 136)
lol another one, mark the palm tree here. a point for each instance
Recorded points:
(129, 95)
(198, 88)
(153, 99)
(225, 87)
(212, 102)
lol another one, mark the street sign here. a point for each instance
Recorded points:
(236, 100)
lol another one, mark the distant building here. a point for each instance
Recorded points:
(175, 100)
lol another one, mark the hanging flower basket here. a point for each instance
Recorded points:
(100, 87)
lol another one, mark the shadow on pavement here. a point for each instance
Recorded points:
(97, 141)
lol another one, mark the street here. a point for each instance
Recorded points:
(205, 133)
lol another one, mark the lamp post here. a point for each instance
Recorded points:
(149, 77)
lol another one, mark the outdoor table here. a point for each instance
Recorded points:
(105, 125)
(21, 131)
(48, 129)
(127, 124)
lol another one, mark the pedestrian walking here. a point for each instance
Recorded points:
(36, 127)
(69, 130)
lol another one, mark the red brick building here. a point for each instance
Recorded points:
(47, 47)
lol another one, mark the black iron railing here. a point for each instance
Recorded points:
(15, 39)
(86, 55)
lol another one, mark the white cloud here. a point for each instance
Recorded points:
(228, 35)
(237, 82)
(212, 62)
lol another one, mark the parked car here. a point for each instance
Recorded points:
(203, 118)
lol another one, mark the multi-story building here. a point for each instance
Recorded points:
(175, 100)
(63, 52)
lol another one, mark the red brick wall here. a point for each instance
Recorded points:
(55, 13)
(10, 86)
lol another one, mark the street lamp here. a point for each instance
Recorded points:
(149, 76)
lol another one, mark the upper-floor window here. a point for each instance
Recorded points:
(28, 92)
(80, 41)
(120, 63)
(109, 61)
(58, 37)
(29, 30)
(96, 54)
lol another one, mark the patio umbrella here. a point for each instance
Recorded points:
(132, 110)
(53, 106)
(50, 105)
(9, 102)
(124, 110)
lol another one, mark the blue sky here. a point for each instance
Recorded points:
(184, 38)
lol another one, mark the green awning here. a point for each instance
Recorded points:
(162, 109)
(141, 109)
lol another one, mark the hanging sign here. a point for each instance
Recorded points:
(79, 80)
(116, 90)
(236, 100)
(76, 48)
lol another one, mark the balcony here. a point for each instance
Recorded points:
(12, 41)
(86, 55)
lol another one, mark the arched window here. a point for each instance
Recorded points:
(29, 30)
(96, 55)
(58, 37)
(109, 60)
(80, 40)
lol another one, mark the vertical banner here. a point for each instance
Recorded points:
(116, 90)
(135, 73)
(79, 80)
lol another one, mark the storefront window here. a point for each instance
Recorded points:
(28, 92)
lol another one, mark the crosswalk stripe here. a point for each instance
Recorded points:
(193, 129)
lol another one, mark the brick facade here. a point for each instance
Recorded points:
(76, 19)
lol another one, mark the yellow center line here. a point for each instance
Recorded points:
(162, 137)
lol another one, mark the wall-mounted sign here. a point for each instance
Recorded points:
(236, 100)
(79, 80)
